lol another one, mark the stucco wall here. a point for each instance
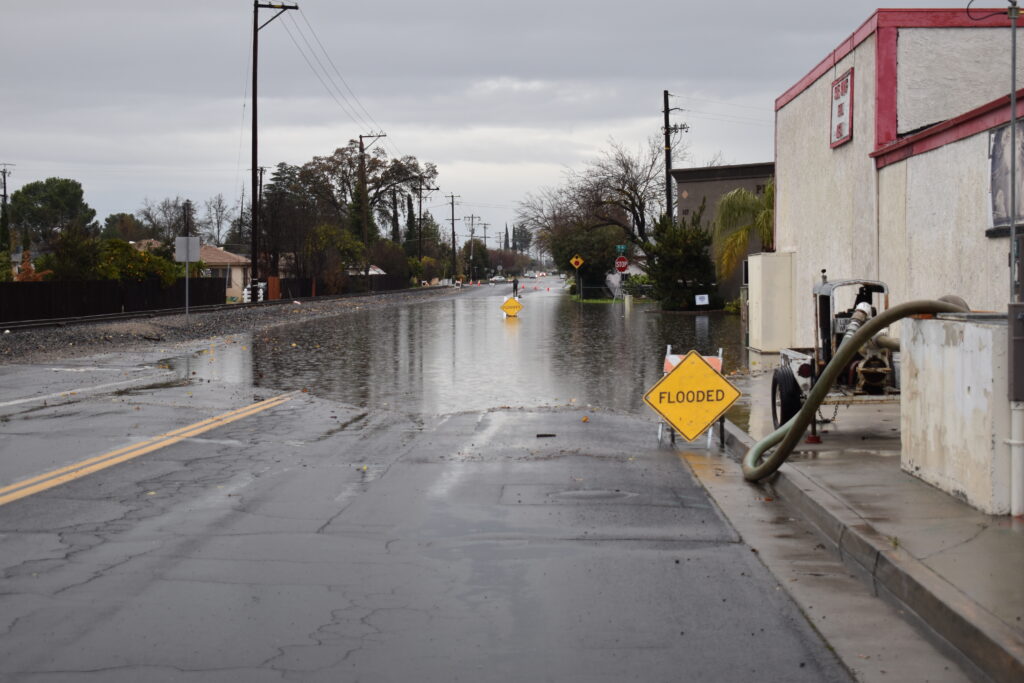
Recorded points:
(959, 69)
(954, 410)
(826, 198)
(947, 251)
(933, 213)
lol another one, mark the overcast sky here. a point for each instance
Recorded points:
(142, 99)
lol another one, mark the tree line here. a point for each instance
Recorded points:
(615, 205)
(322, 219)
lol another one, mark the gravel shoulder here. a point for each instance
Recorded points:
(48, 344)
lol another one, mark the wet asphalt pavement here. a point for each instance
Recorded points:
(483, 503)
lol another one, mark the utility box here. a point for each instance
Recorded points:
(954, 413)
(770, 303)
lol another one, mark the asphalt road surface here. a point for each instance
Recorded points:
(157, 523)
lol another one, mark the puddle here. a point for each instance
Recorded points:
(460, 354)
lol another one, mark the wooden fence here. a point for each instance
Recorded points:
(52, 299)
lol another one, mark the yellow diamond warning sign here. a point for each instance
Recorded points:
(692, 396)
(576, 261)
(511, 307)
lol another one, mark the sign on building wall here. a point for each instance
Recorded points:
(842, 109)
(999, 189)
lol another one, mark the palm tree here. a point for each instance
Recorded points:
(741, 216)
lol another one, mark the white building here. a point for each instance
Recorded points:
(883, 166)
(892, 164)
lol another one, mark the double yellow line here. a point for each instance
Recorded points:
(63, 475)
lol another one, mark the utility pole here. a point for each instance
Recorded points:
(364, 197)
(485, 226)
(472, 232)
(669, 129)
(259, 191)
(472, 249)
(396, 231)
(419, 222)
(5, 231)
(255, 218)
(453, 197)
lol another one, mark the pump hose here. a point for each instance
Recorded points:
(754, 468)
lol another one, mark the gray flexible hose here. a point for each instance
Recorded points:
(754, 467)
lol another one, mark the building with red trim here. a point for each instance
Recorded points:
(884, 165)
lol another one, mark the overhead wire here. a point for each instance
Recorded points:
(320, 78)
(334, 66)
(982, 17)
(387, 141)
(726, 118)
(724, 104)
(241, 126)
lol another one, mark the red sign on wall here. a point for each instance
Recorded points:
(842, 109)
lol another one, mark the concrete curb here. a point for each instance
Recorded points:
(986, 646)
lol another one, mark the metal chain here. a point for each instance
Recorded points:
(835, 413)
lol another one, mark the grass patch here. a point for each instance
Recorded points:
(610, 301)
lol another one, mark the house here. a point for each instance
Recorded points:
(884, 165)
(706, 185)
(232, 268)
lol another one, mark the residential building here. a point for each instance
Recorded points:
(707, 184)
(232, 268)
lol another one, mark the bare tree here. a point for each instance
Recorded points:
(217, 220)
(622, 187)
(164, 219)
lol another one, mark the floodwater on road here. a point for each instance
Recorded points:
(461, 353)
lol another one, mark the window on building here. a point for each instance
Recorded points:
(223, 274)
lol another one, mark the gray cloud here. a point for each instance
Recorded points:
(146, 99)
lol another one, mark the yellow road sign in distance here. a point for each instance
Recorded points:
(511, 307)
(692, 396)
(576, 261)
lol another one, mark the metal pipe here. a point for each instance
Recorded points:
(886, 342)
(1016, 444)
(754, 467)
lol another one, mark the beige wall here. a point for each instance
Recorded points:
(934, 211)
(960, 69)
(826, 208)
(954, 415)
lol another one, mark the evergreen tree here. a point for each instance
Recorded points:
(679, 263)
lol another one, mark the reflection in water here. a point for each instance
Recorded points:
(462, 353)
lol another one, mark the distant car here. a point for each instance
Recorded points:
(498, 278)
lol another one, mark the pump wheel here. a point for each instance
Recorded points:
(786, 399)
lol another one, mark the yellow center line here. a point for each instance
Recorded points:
(77, 470)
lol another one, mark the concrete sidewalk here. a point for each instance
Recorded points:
(954, 571)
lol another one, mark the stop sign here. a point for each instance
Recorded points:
(621, 264)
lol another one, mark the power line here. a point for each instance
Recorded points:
(726, 118)
(724, 104)
(350, 114)
(340, 77)
(344, 82)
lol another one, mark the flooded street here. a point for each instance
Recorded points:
(410, 490)
(462, 353)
